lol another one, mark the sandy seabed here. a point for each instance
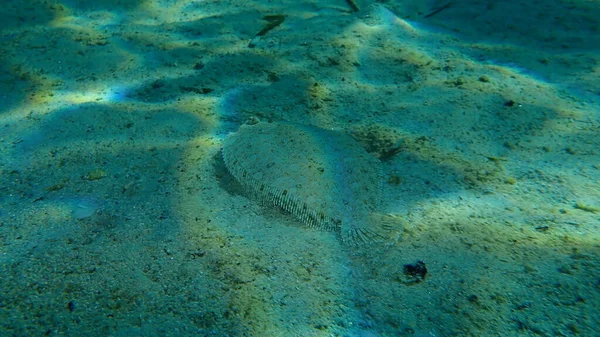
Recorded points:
(118, 217)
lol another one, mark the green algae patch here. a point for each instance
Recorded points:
(587, 208)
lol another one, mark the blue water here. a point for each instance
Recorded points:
(119, 218)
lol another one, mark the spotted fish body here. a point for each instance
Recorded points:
(324, 178)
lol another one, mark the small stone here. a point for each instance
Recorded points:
(95, 175)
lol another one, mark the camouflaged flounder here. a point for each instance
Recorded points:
(322, 177)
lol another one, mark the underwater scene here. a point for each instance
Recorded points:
(337, 168)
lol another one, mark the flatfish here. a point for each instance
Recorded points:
(322, 177)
